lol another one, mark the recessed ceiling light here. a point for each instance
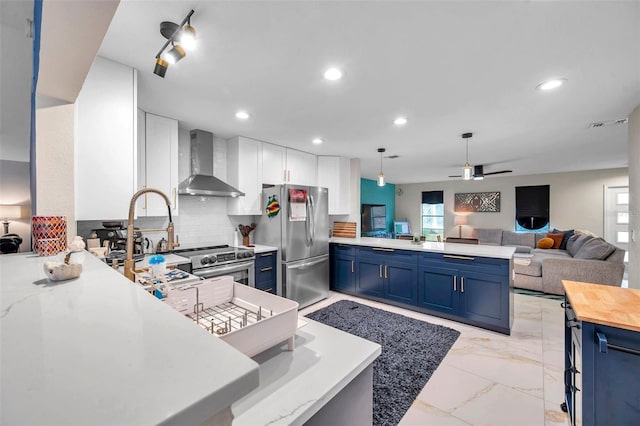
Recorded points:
(317, 141)
(400, 121)
(333, 74)
(242, 115)
(551, 84)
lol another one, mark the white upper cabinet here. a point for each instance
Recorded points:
(244, 172)
(302, 168)
(334, 173)
(105, 148)
(158, 164)
(274, 164)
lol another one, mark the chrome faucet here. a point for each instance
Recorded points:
(129, 263)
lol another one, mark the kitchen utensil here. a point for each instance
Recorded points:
(162, 246)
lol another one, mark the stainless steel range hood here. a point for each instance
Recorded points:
(202, 181)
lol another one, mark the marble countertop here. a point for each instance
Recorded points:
(259, 248)
(605, 304)
(295, 385)
(500, 252)
(99, 350)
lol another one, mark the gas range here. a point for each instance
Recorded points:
(212, 261)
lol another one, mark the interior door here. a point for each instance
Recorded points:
(616, 217)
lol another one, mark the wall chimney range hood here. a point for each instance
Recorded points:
(202, 181)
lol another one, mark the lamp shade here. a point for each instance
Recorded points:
(9, 212)
(460, 220)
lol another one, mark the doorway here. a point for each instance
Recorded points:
(616, 218)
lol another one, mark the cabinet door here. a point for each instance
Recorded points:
(265, 271)
(302, 168)
(369, 278)
(343, 273)
(274, 163)
(438, 289)
(106, 133)
(160, 165)
(244, 172)
(334, 173)
(484, 298)
(401, 282)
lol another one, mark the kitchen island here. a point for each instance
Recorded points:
(463, 282)
(100, 350)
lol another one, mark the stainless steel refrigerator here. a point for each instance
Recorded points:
(295, 219)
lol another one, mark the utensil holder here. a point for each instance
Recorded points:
(245, 241)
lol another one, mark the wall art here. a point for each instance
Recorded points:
(478, 202)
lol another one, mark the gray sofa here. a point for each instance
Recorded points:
(585, 258)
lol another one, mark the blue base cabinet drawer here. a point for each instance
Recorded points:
(265, 271)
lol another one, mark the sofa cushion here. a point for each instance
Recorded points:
(595, 248)
(545, 243)
(533, 269)
(490, 236)
(551, 253)
(518, 239)
(576, 241)
(557, 239)
(567, 234)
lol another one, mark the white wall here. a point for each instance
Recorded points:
(55, 160)
(634, 198)
(576, 199)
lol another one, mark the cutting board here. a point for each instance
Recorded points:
(344, 229)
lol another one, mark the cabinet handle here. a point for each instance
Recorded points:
(174, 197)
(385, 271)
(380, 270)
(382, 249)
(288, 175)
(462, 285)
(268, 268)
(353, 264)
(604, 346)
(266, 254)
(452, 256)
(455, 282)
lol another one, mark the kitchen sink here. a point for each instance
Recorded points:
(248, 319)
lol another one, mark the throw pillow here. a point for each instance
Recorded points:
(577, 241)
(595, 248)
(567, 234)
(545, 243)
(557, 239)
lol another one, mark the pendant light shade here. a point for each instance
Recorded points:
(381, 181)
(466, 170)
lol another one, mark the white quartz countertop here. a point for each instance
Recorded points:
(500, 252)
(295, 385)
(259, 248)
(100, 350)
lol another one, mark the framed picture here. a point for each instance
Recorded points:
(477, 202)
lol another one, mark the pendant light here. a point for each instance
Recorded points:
(381, 175)
(466, 170)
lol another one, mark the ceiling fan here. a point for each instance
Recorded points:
(478, 171)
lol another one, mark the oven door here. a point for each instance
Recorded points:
(242, 272)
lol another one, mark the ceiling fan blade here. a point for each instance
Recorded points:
(498, 172)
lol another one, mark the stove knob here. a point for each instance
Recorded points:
(212, 260)
(240, 255)
(249, 255)
(205, 261)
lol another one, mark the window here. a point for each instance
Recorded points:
(433, 215)
(532, 208)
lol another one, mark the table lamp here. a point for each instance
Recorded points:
(460, 220)
(8, 212)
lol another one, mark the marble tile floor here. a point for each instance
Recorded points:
(488, 378)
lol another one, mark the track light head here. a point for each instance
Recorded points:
(161, 67)
(175, 54)
(188, 37)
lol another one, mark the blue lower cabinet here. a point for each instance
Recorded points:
(602, 367)
(265, 271)
(370, 280)
(400, 282)
(484, 298)
(343, 273)
(438, 289)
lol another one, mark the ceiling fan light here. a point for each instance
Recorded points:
(466, 172)
(161, 67)
(478, 177)
(381, 179)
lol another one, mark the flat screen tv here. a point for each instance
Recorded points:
(374, 217)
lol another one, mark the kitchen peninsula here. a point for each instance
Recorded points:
(463, 282)
(100, 350)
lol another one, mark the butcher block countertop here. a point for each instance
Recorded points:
(604, 304)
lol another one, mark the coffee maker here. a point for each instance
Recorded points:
(116, 237)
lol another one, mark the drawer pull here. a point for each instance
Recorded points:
(604, 346)
(268, 268)
(453, 256)
(266, 254)
(383, 249)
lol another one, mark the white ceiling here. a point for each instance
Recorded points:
(449, 67)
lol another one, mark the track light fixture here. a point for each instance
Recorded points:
(381, 175)
(182, 34)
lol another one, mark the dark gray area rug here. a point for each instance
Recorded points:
(411, 352)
